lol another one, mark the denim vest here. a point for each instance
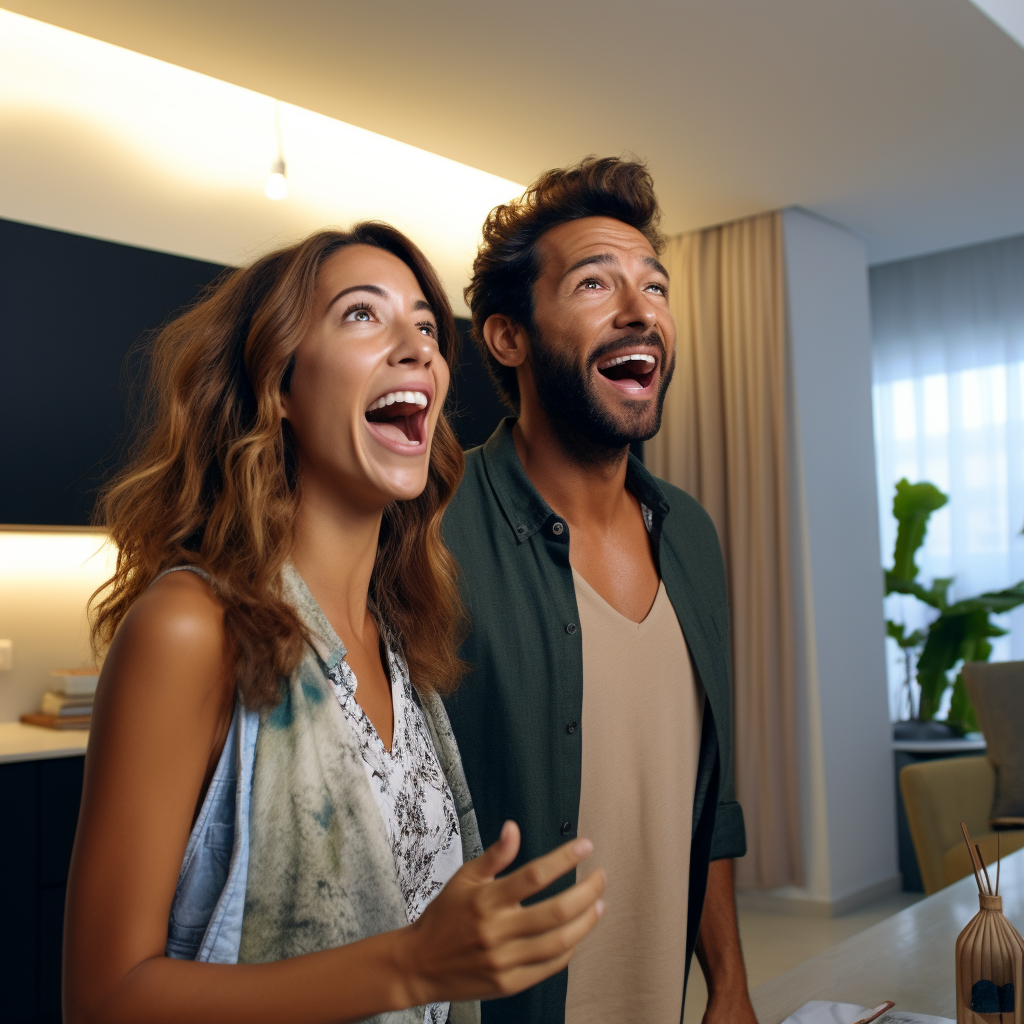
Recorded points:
(206, 914)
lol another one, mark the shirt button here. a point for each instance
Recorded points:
(566, 827)
(570, 628)
(571, 728)
(557, 528)
(520, 529)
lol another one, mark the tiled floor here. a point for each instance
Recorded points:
(776, 943)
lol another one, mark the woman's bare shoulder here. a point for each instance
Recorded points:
(172, 644)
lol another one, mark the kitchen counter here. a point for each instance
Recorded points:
(20, 742)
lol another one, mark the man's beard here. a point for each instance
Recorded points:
(568, 395)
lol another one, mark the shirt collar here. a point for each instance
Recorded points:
(525, 510)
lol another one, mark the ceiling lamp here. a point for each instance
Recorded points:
(277, 184)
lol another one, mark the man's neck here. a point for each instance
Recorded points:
(579, 490)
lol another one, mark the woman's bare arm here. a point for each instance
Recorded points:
(162, 711)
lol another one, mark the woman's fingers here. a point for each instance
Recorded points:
(549, 945)
(557, 910)
(496, 857)
(520, 978)
(536, 876)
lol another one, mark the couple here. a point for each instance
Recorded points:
(294, 766)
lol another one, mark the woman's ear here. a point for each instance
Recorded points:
(506, 340)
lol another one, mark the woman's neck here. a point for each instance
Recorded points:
(333, 547)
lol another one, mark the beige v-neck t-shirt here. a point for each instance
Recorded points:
(642, 714)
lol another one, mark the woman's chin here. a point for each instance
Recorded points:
(404, 484)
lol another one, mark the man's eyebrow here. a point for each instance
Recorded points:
(371, 288)
(588, 261)
(655, 265)
(607, 257)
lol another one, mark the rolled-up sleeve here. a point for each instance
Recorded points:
(729, 838)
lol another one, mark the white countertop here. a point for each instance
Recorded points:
(20, 742)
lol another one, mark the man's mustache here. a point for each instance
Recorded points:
(625, 344)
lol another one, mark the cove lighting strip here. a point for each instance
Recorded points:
(103, 141)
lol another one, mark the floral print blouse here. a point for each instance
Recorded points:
(411, 792)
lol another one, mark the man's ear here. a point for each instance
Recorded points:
(506, 340)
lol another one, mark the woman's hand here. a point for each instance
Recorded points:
(477, 941)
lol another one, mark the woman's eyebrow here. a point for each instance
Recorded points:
(371, 288)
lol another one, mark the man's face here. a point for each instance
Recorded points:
(603, 347)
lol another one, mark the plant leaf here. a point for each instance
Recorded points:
(961, 712)
(912, 506)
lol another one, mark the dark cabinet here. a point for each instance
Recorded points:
(39, 810)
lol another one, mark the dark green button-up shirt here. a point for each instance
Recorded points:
(518, 715)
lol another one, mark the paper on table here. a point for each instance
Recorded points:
(820, 1011)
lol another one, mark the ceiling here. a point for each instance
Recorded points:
(901, 119)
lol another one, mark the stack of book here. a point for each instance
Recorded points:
(69, 706)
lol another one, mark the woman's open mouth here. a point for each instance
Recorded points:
(632, 372)
(398, 420)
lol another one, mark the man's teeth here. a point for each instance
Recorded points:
(636, 356)
(415, 397)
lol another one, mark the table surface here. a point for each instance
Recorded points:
(20, 742)
(907, 958)
(939, 746)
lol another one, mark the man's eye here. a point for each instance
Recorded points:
(659, 288)
(590, 284)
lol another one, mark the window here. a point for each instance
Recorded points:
(949, 408)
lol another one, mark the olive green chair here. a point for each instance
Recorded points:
(938, 795)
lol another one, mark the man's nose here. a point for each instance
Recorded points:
(637, 312)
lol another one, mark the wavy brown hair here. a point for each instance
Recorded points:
(214, 480)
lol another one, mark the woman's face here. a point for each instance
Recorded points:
(369, 382)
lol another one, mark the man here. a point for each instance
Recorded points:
(598, 701)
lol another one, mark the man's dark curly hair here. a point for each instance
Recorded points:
(506, 265)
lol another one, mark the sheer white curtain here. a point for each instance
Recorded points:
(949, 408)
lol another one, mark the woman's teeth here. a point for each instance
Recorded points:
(414, 397)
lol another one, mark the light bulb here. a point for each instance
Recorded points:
(277, 184)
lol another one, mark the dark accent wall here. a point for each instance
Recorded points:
(71, 308)
(71, 311)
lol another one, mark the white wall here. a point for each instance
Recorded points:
(846, 760)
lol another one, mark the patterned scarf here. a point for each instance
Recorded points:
(321, 871)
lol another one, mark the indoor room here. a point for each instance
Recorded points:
(667, 501)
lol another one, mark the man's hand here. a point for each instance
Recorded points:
(719, 953)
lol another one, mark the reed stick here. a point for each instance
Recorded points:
(973, 855)
(984, 870)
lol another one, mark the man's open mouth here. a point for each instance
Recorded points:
(633, 371)
(399, 418)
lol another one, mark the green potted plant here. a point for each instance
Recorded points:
(961, 631)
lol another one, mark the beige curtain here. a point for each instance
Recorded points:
(724, 439)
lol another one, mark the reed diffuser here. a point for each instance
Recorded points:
(989, 955)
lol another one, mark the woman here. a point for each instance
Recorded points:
(274, 820)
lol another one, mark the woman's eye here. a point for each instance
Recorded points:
(659, 288)
(359, 314)
(428, 329)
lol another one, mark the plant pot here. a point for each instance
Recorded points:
(915, 730)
